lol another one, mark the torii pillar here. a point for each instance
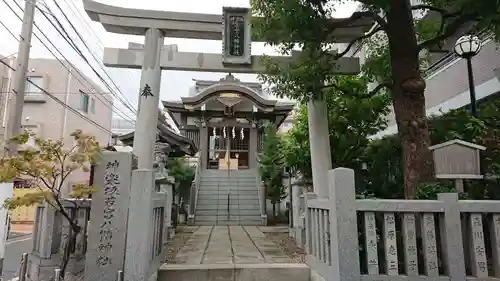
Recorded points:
(149, 98)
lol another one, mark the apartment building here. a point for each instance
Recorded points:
(88, 108)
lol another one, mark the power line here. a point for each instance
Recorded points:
(78, 50)
(61, 102)
(90, 51)
(80, 75)
(8, 30)
(72, 44)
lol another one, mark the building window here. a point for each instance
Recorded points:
(92, 106)
(30, 89)
(84, 102)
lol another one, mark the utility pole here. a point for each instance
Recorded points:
(18, 84)
(16, 112)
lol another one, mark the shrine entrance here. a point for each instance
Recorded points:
(228, 148)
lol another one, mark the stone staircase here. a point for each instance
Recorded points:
(228, 199)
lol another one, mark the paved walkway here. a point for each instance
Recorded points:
(230, 245)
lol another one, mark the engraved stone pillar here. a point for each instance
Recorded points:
(108, 218)
(149, 98)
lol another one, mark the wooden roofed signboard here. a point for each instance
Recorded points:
(457, 159)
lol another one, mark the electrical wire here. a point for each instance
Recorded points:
(68, 38)
(72, 43)
(8, 30)
(125, 101)
(80, 75)
(64, 65)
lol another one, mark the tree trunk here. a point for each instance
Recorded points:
(70, 245)
(408, 97)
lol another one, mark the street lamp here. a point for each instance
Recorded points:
(467, 47)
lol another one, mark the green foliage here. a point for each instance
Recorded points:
(272, 165)
(183, 174)
(430, 191)
(398, 40)
(47, 166)
(352, 118)
(384, 176)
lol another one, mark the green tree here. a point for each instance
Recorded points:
(383, 175)
(271, 166)
(183, 174)
(47, 166)
(396, 48)
(351, 120)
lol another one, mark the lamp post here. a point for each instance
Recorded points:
(467, 47)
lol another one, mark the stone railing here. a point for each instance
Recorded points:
(195, 186)
(262, 193)
(428, 240)
(125, 230)
(50, 232)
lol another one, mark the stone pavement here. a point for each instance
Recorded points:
(230, 245)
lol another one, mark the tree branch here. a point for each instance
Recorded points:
(353, 42)
(379, 87)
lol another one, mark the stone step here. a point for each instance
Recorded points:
(226, 190)
(229, 222)
(241, 202)
(230, 175)
(235, 272)
(232, 196)
(217, 182)
(204, 205)
(247, 223)
(235, 172)
(224, 212)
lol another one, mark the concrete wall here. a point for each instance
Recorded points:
(50, 119)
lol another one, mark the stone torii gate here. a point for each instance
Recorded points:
(153, 56)
(233, 28)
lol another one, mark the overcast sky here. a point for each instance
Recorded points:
(174, 83)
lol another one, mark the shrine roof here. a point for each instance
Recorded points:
(180, 145)
(232, 87)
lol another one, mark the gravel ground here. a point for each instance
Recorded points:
(182, 235)
(287, 245)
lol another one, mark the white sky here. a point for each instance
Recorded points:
(174, 83)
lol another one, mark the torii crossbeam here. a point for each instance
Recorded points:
(172, 59)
